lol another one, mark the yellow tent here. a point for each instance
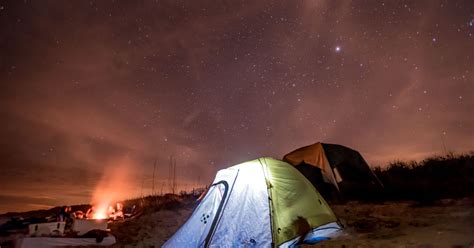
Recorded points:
(260, 203)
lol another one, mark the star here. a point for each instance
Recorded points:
(207, 88)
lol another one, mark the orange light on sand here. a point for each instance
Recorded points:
(113, 186)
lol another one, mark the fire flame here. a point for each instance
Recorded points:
(100, 213)
(112, 187)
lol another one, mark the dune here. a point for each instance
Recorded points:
(446, 223)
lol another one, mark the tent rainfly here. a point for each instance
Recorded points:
(340, 166)
(260, 203)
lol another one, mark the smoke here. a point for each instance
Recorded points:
(115, 185)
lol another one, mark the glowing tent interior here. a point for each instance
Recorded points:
(262, 203)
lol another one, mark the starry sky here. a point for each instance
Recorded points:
(91, 86)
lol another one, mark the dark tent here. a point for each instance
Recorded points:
(335, 168)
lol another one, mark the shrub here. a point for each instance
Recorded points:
(449, 176)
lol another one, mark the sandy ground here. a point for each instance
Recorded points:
(149, 230)
(449, 223)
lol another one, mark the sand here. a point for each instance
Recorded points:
(149, 230)
(448, 223)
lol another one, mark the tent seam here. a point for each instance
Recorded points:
(270, 200)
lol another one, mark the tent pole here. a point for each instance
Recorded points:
(270, 199)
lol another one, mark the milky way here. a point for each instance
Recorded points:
(215, 83)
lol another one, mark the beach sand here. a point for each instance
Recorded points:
(448, 223)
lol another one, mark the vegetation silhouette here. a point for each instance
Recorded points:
(432, 179)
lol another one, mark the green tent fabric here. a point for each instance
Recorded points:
(259, 203)
(294, 196)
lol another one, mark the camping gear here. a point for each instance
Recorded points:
(46, 229)
(88, 232)
(82, 226)
(48, 242)
(262, 203)
(343, 168)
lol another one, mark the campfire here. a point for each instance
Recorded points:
(98, 212)
(106, 211)
(112, 188)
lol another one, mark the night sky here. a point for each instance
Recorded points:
(89, 86)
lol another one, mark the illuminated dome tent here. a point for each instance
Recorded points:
(330, 166)
(260, 203)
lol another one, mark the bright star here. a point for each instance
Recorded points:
(338, 49)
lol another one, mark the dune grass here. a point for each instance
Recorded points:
(434, 178)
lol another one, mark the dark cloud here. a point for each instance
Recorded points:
(87, 83)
